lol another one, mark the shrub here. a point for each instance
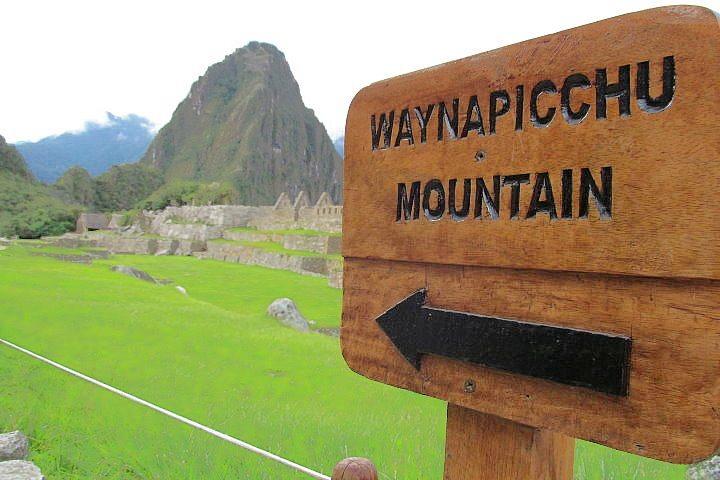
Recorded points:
(179, 193)
(29, 210)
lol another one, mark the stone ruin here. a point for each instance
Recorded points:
(202, 222)
(189, 230)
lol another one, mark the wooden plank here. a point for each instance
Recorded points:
(483, 447)
(663, 159)
(671, 412)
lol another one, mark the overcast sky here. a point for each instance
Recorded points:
(65, 62)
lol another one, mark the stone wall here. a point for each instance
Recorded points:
(208, 222)
(325, 244)
(217, 215)
(248, 236)
(187, 231)
(312, 243)
(148, 246)
(230, 252)
(225, 251)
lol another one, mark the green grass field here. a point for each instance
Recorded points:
(215, 357)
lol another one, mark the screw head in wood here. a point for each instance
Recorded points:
(469, 385)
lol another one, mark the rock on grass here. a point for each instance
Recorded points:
(20, 470)
(288, 314)
(133, 272)
(13, 446)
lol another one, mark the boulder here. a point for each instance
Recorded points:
(13, 446)
(288, 314)
(133, 272)
(705, 470)
(20, 470)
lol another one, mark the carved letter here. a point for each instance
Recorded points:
(459, 215)
(423, 120)
(404, 129)
(385, 128)
(504, 98)
(545, 86)
(655, 104)
(603, 199)
(620, 90)
(444, 120)
(576, 80)
(482, 195)
(436, 213)
(408, 207)
(542, 182)
(470, 124)
(515, 181)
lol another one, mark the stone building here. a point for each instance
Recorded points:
(323, 215)
(88, 222)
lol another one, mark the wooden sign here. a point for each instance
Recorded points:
(533, 233)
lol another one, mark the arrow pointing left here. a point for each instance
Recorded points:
(594, 360)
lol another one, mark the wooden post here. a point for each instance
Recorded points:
(355, 468)
(484, 447)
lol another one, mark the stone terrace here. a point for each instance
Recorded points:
(290, 235)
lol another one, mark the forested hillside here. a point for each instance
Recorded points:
(28, 208)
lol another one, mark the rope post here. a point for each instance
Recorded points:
(355, 468)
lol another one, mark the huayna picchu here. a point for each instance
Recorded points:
(245, 122)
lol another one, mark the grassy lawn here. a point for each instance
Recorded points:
(217, 358)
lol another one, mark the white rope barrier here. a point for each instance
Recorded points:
(180, 418)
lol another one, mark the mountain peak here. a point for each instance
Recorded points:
(255, 46)
(244, 121)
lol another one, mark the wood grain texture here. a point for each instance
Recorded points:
(483, 447)
(665, 165)
(672, 412)
(651, 272)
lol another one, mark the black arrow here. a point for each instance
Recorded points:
(593, 360)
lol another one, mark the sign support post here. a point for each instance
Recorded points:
(479, 446)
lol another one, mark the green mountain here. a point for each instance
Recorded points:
(96, 148)
(120, 188)
(244, 122)
(11, 162)
(28, 208)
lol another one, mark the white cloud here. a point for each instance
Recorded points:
(66, 62)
